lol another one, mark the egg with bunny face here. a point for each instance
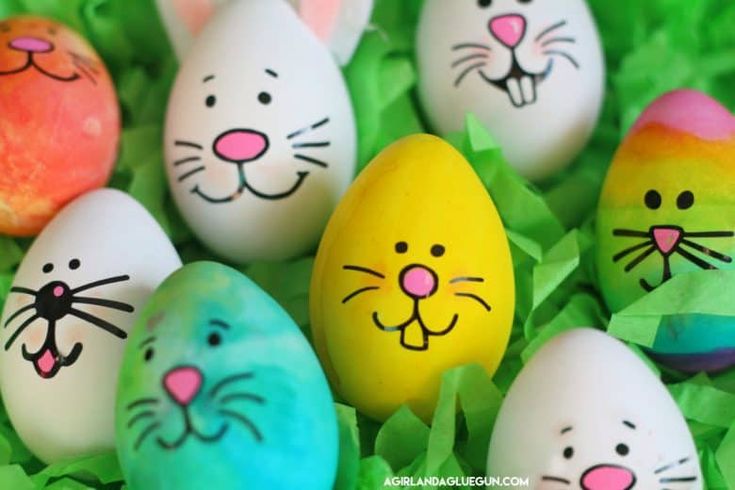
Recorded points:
(586, 412)
(413, 277)
(220, 389)
(531, 70)
(66, 319)
(260, 135)
(667, 208)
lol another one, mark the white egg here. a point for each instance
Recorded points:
(260, 136)
(74, 298)
(586, 412)
(532, 71)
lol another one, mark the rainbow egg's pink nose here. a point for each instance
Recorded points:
(418, 281)
(509, 29)
(666, 238)
(241, 145)
(608, 477)
(183, 384)
(31, 45)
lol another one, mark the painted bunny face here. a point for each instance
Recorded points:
(514, 63)
(260, 137)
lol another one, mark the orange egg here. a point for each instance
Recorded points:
(59, 122)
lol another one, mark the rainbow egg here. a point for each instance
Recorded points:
(667, 208)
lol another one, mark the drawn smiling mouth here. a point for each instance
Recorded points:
(409, 335)
(190, 431)
(519, 84)
(47, 361)
(31, 64)
(244, 185)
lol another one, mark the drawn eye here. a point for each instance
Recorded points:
(211, 101)
(685, 200)
(622, 449)
(484, 3)
(437, 250)
(214, 339)
(264, 98)
(568, 452)
(652, 199)
(148, 354)
(48, 268)
(74, 264)
(401, 247)
(525, 1)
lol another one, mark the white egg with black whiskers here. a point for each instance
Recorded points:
(586, 413)
(531, 70)
(260, 137)
(66, 319)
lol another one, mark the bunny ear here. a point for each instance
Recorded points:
(338, 23)
(184, 19)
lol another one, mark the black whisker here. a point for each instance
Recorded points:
(632, 233)
(140, 416)
(146, 432)
(551, 29)
(471, 45)
(563, 54)
(359, 292)
(20, 290)
(243, 396)
(98, 322)
(188, 144)
(103, 282)
(186, 160)
(318, 144)
(638, 260)
(466, 279)
(556, 479)
(18, 313)
(366, 270)
(229, 380)
(476, 298)
(695, 260)
(630, 250)
(245, 421)
(680, 479)
(709, 252)
(107, 303)
(555, 40)
(467, 72)
(85, 73)
(314, 126)
(468, 58)
(192, 173)
(671, 466)
(315, 161)
(709, 234)
(142, 401)
(20, 330)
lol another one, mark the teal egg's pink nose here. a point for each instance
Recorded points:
(31, 45)
(608, 477)
(241, 145)
(508, 29)
(183, 384)
(418, 281)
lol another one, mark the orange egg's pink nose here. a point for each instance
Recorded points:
(509, 29)
(183, 384)
(31, 45)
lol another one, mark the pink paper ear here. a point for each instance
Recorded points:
(194, 14)
(321, 16)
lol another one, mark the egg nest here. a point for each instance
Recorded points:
(651, 47)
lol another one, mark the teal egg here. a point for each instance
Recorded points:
(220, 389)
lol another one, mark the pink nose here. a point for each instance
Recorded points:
(183, 384)
(418, 281)
(31, 45)
(608, 477)
(666, 238)
(241, 145)
(509, 29)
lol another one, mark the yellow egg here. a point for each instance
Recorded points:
(413, 277)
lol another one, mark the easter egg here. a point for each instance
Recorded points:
(532, 71)
(668, 207)
(220, 389)
(65, 321)
(60, 122)
(586, 412)
(413, 277)
(260, 143)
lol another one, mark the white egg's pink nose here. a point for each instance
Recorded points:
(183, 384)
(418, 281)
(241, 145)
(508, 29)
(608, 477)
(31, 45)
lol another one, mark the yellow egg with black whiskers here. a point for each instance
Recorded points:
(413, 277)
